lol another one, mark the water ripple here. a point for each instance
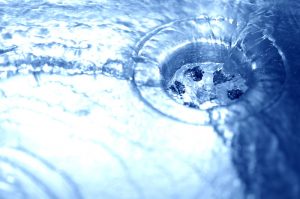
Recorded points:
(25, 175)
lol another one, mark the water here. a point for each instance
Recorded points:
(88, 110)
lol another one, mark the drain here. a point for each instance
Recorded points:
(205, 69)
(201, 82)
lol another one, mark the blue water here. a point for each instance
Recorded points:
(84, 110)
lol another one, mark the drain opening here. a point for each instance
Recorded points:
(199, 80)
(214, 71)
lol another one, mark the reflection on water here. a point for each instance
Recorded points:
(84, 112)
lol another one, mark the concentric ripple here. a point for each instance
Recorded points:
(208, 69)
(22, 176)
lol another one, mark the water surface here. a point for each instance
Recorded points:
(74, 124)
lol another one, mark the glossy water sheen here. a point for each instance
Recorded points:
(85, 111)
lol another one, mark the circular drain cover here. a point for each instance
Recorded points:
(201, 69)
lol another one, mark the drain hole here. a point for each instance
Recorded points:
(234, 94)
(178, 88)
(203, 84)
(196, 73)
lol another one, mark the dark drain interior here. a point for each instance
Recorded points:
(195, 76)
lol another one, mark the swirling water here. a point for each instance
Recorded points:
(83, 113)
